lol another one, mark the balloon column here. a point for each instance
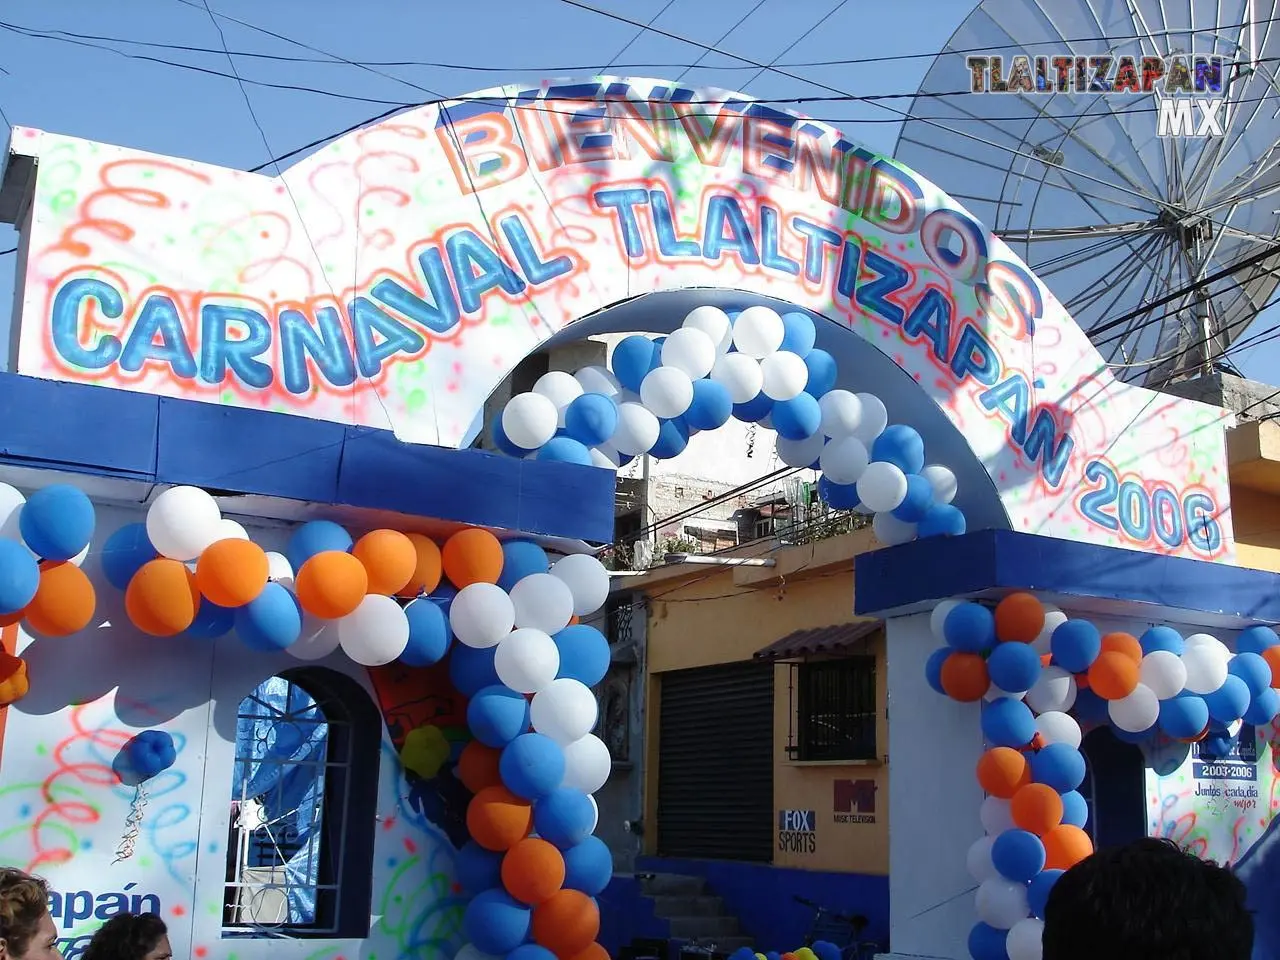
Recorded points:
(756, 366)
(1044, 678)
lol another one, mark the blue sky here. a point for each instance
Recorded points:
(98, 94)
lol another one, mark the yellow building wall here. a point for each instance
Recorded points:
(1255, 516)
(713, 618)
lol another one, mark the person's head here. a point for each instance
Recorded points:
(26, 929)
(130, 936)
(1147, 900)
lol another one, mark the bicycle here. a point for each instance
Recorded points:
(842, 929)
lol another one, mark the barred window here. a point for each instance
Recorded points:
(836, 702)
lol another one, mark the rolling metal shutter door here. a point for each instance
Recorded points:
(715, 763)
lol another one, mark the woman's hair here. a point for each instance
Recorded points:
(24, 900)
(126, 936)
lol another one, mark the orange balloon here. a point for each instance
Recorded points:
(575, 620)
(1037, 808)
(9, 619)
(566, 923)
(532, 871)
(1019, 616)
(427, 569)
(331, 584)
(389, 558)
(13, 679)
(1125, 643)
(64, 601)
(1003, 771)
(1113, 675)
(162, 598)
(478, 766)
(1065, 846)
(1082, 681)
(497, 819)
(1272, 656)
(232, 572)
(472, 556)
(964, 677)
(593, 952)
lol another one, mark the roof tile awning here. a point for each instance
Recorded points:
(838, 639)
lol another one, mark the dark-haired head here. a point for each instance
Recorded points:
(26, 929)
(1147, 900)
(130, 936)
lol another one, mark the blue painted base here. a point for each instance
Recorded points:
(626, 915)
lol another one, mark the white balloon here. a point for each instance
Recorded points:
(666, 391)
(1212, 644)
(317, 640)
(597, 379)
(994, 693)
(1058, 727)
(637, 430)
(542, 602)
(526, 660)
(1136, 712)
(995, 815)
(1164, 672)
(844, 460)
(587, 764)
(11, 504)
(375, 633)
(561, 388)
(481, 615)
(740, 375)
(605, 457)
(841, 413)
(80, 557)
(229, 529)
(1199, 640)
(874, 418)
(595, 813)
(891, 531)
(182, 521)
(715, 323)
(691, 351)
(978, 860)
(279, 569)
(1025, 940)
(758, 332)
(1053, 619)
(564, 710)
(529, 420)
(1054, 690)
(882, 486)
(586, 578)
(942, 480)
(939, 616)
(1001, 903)
(800, 453)
(625, 396)
(784, 375)
(1206, 670)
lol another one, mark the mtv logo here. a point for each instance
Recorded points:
(855, 796)
(799, 821)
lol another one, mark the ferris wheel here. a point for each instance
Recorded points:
(1159, 237)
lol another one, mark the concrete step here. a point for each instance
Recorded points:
(672, 885)
(704, 927)
(702, 905)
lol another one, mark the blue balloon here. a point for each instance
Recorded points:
(826, 950)
(564, 450)
(838, 496)
(1162, 638)
(588, 866)
(591, 419)
(988, 943)
(477, 869)
(942, 520)
(1253, 670)
(673, 437)
(148, 754)
(970, 627)
(742, 953)
(799, 333)
(125, 552)
(564, 817)
(271, 621)
(1184, 716)
(19, 576)
(471, 669)
(443, 596)
(503, 442)
(1014, 667)
(317, 536)
(531, 765)
(1075, 644)
(918, 501)
(822, 372)
(584, 654)
(900, 445)
(1059, 765)
(521, 558)
(531, 951)
(1218, 742)
(797, 418)
(1018, 855)
(633, 358)
(1007, 722)
(1090, 708)
(1075, 809)
(1229, 702)
(933, 668)
(1038, 890)
(429, 634)
(211, 622)
(1263, 708)
(754, 410)
(495, 922)
(497, 715)
(1256, 640)
(57, 521)
(711, 407)
(1141, 737)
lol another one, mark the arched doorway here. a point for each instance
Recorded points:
(1115, 788)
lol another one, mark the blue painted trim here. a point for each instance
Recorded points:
(99, 431)
(905, 576)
